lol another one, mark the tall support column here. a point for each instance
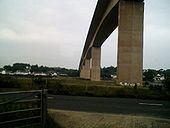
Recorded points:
(130, 41)
(87, 69)
(95, 64)
(82, 72)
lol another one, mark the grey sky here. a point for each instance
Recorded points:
(53, 33)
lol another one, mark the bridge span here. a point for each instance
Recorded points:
(128, 16)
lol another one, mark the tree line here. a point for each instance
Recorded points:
(150, 75)
(22, 67)
(106, 72)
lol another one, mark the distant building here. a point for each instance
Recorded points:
(63, 74)
(114, 76)
(39, 74)
(3, 72)
(158, 77)
(54, 74)
(22, 73)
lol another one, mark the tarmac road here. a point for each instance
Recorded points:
(150, 108)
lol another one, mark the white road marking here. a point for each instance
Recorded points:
(151, 104)
(50, 97)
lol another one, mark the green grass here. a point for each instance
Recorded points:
(76, 86)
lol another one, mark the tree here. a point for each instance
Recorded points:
(73, 73)
(167, 83)
(106, 72)
(149, 75)
(1, 69)
(167, 73)
(7, 68)
(34, 68)
(20, 67)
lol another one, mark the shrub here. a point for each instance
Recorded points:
(8, 82)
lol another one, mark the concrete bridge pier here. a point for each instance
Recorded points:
(82, 72)
(95, 63)
(130, 42)
(85, 71)
(128, 16)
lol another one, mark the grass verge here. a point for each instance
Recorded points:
(79, 87)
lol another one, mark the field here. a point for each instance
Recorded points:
(72, 119)
(77, 86)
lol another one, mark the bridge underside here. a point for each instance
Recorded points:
(127, 15)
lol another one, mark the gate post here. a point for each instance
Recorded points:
(44, 108)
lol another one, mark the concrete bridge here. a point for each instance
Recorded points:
(127, 15)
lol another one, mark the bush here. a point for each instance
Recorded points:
(69, 86)
(167, 83)
(8, 82)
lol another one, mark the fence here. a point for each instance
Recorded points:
(23, 109)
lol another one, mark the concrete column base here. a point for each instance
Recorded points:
(82, 72)
(85, 71)
(95, 64)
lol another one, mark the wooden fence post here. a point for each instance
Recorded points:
(44, 108)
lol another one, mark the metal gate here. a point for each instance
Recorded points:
(23, 109)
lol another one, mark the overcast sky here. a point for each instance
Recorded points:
(53, 33)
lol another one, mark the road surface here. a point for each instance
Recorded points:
(128, 106)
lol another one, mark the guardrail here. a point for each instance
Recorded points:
(23, 109)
